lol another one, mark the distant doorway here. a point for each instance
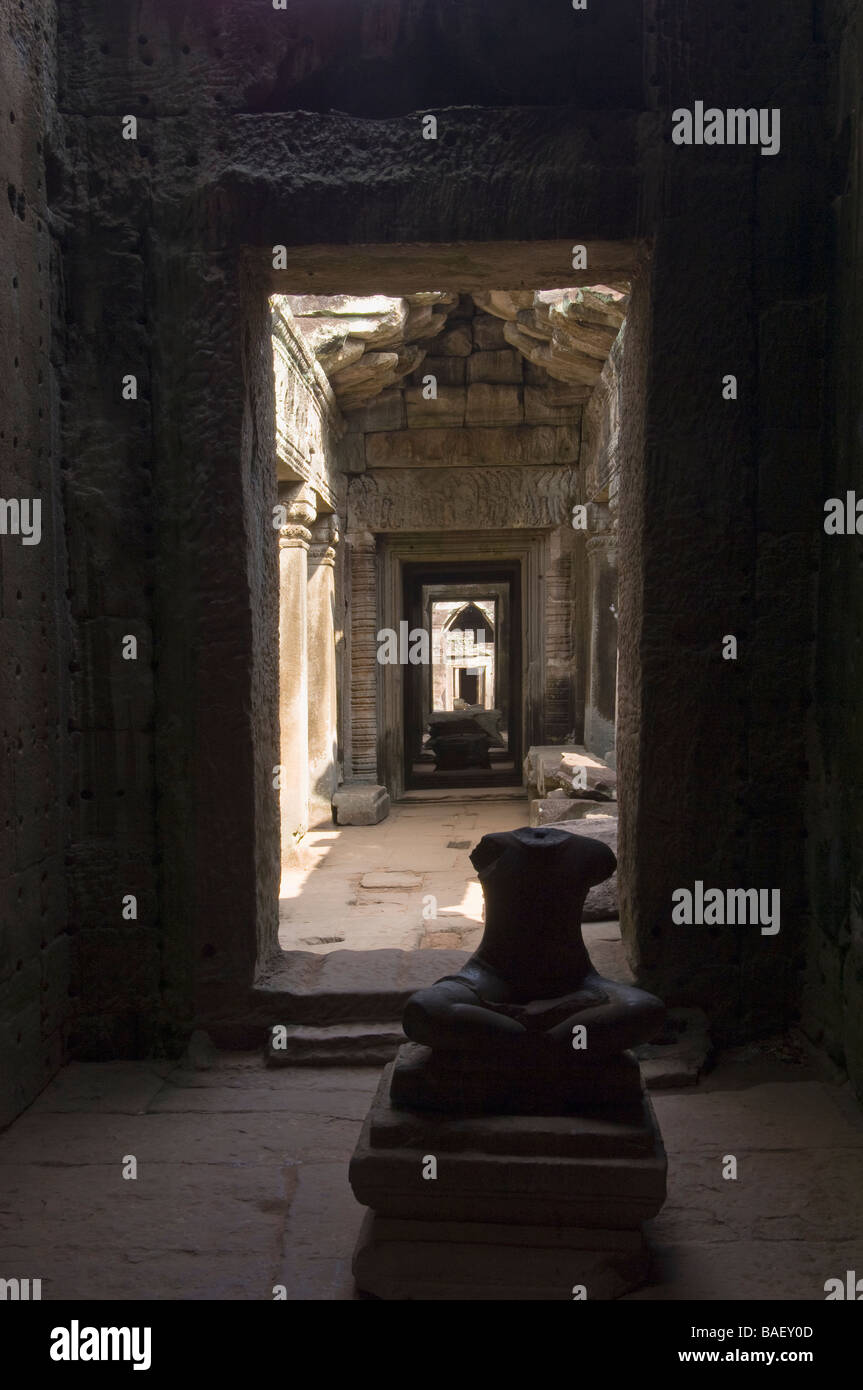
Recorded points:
(463, 708)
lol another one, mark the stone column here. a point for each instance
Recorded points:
(364, 656)
(558, 712)
(322, 686)
(601, 701)
(361, 800)
(294, 540)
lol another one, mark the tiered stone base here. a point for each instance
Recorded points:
(522, 1206)
(474, 1261)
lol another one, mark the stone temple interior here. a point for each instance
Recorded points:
(423, 422)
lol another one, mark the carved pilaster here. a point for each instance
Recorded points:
(294, 541)
(601, 700)
(557, 706)
(301, 514)
(604, 541)
(364, 647)
(325, 537)
(322, 683)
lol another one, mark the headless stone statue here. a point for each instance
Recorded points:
(531, 982)
(536, 1132)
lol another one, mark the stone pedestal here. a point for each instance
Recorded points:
(467, 1261)
(521, 1206)
(322, 691)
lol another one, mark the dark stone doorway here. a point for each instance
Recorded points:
(464, 755)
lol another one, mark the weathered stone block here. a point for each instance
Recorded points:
(469, 1261)
(494, 405)
(424, 322)
(375, 319)
(473, 448)
(385, 412)
(409, 499)
(391, 878)
(602, 901)
(554, 404)
(551, 810)
(504, 304)
(361, 803)
(488, 333)
(455, 342)
(342, 987)
(544, 1082)
(503, 367)
(447, 371)
(370, 1044)
(352, 453)
(534, 375)
(611, 1176)
(341, 352)
(550, 767)
(445, 411)
(372, 372)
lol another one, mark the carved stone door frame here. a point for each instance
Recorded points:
(526, 548)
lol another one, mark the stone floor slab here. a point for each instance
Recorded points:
(232, 1201)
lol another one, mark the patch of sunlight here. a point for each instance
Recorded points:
(470, 906)
(313, 849)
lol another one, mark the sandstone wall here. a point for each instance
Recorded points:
(833, 998)
(728, 513)
(251, 134)
(35, 946)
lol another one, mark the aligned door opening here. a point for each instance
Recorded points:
(462, 706)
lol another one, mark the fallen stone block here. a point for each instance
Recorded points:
(552, 810)
(681, 1052)
(361, 803)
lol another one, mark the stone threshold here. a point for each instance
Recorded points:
(341, 1008)
(350, 986)
(344, 1008)
(462, 795)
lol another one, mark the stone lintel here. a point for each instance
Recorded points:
(475, 499)
(399, 267)
(490, 445)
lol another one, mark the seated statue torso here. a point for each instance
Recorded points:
(531, 973)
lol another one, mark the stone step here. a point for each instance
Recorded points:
(376, 1042)
(347, 987)
(463, 795)
(339, 1045)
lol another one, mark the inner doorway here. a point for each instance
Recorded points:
(463, 712)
